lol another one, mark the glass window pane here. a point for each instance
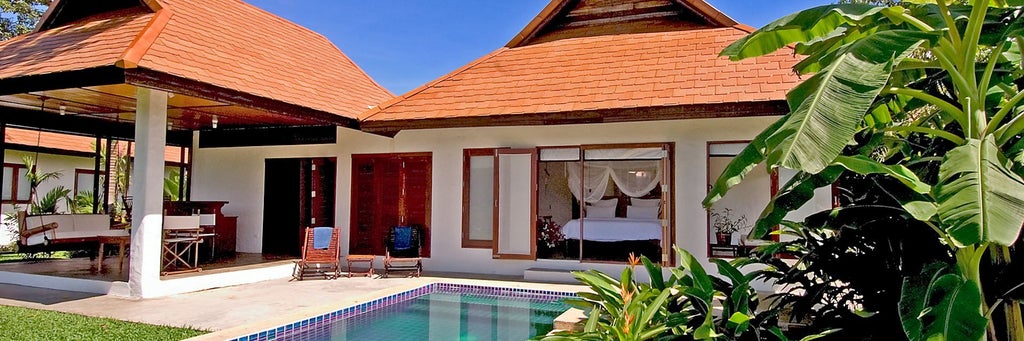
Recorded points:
(23, 187)
(560, 154)
(481, 197)
(626, 154)
(84, 182)
(7, 185)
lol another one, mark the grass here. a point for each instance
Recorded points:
(17, 257)
(32, 324)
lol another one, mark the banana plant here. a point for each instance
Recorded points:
(690, 304)
(885, 74)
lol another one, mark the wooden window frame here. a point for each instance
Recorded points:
(534, 155)
(467, 155)
(15, 181)
(86, 171)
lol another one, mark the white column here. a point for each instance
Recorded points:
(147, 192)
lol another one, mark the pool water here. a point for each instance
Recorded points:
(444, 316)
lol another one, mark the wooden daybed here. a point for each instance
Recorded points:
(63, 232)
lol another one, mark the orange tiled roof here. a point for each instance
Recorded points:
(95, 41)
(225, 43)
(599, 72)
(73, 143)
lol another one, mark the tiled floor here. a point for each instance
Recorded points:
(85, 268)
(214, 309)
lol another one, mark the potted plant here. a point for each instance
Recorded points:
(549, 234)
(724, 225)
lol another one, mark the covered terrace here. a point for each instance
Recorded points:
(164, 72)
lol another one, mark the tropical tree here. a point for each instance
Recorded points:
(35, 177)
(882, 77)
(20, 16)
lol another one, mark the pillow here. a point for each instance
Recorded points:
(645, 202)
(600, 212)
(641, 212)
(606, 203)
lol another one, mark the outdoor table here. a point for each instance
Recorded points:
(368, 259)
(121, 242)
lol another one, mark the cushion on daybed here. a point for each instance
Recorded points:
(70, 226)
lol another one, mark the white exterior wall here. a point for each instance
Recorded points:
(236, 175)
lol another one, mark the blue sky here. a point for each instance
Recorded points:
(406, 43)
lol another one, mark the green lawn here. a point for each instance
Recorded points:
(33, 324)
(17, 257)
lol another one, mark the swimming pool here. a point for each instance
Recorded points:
(438, 311)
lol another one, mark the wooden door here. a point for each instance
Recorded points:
(416, 196)
(375, 201)
(388, 190)
(317, 182)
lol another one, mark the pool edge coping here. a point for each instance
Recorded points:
(304, 314)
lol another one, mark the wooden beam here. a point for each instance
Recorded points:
(549, 13)
(104, 75)
(677, 112)
(268, 136)
(48, 150)
(3, 153)
(616, 19)
(95, 176)
(179, 85)
(109, 177)
(79, 125)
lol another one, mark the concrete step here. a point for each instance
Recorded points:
(549, 275)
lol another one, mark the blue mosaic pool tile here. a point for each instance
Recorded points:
(313, 323)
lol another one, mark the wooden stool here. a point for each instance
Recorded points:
(368, 259)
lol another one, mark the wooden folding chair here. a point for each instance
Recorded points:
(323, 261)
(402, 251)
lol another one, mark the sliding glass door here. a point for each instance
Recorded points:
(601, 203)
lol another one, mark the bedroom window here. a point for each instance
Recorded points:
(84, 179)
(12, 184)
(600, 203)
(478, 197)
(731, 218)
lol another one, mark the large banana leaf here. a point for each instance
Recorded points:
(837, 98)
(753, 154)
(793, 195)
(980, 199)
(829, 107)
(941, 305)
(803, 26)
(864, 166)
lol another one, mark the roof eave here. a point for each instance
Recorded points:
(708, 12)
(167, 82)
(391, 128)
(55, 6)
(546, 15)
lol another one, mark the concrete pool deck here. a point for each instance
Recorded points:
(239, 310)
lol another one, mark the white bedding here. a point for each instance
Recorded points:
(613, 229)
